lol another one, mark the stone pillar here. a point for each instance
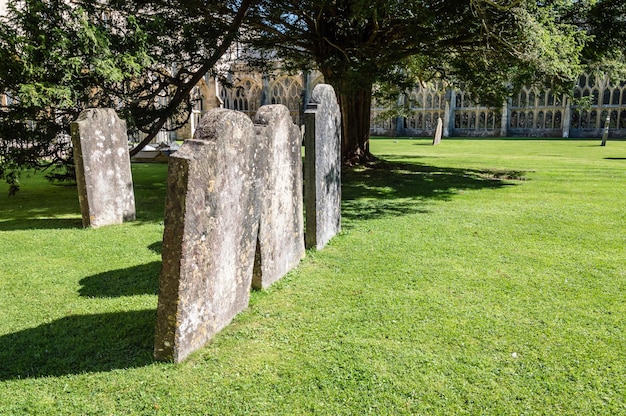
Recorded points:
(281, 233)
(504, 120)
(567, 117)
(212, 218)
(105, 184)
(448, 125)
(322, 167)
(399, 130)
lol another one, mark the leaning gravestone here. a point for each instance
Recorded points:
(438, 132)
(322, 141)
(211, 224)
(101, 156)
(281, 232)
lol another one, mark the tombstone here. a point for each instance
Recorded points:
(101, 156)
(605, 134)
(281, 232)
(211, 224)
(438, 132)
(322, 167)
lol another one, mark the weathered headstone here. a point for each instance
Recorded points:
(438, 132)
(211, 223)
(281, 233)
(605, 134)
(101, 156)
(322, 167)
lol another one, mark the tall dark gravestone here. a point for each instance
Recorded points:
(211, 224)
(101, 156)
(322, 141)
(281, 233)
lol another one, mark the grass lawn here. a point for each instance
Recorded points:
(474, 277)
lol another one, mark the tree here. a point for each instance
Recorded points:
(493, 46)
(142, 58)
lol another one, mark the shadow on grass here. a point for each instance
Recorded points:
(40, 224)
(138, 280)
(398, 188)
(79, 344)
(39, 205)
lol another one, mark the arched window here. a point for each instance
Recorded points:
(548, 123)
(540, 122)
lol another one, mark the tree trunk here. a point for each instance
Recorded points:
(355, 104)
(355, 101)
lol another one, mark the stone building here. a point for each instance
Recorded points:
(531, 113)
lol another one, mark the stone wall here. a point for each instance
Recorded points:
(531, 113)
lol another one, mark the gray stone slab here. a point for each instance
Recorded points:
(105, 185)
(211, 225)
(438, 132)
(281, 233)
(322, 167)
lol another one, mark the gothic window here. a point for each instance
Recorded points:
(613, 123)
(531, 99)
(523, 99)
(490, 120)
(457, 120)
(550, 99)
(616, 95)
(542, 99)
(596, 97)
(548, 123)
(529, 123)
(540, 121)
(622, 119)
(428, 121)
(482, 120)
(575, 119)
(513, 121)
(557, 101)
(606, 97)
(584, 119)
(278, 94)
(582, 81)
(593, 119)
(521, 120)
(287, 91)
(602, 121)
(472, 120)
(577, 94)
(515, 101)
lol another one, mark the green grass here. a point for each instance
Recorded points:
(474, 277)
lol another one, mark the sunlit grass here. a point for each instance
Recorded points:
(474, 277)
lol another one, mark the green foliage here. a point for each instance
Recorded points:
(140, 58)
(55, 60)
(488, 47)
(475, 277)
